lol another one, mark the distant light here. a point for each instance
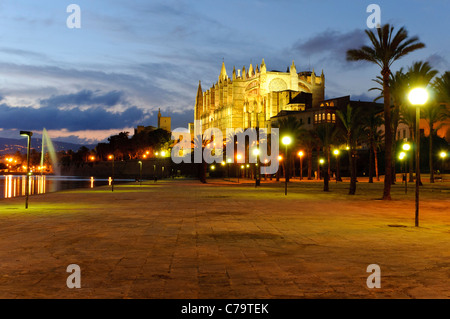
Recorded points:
(347, 147)
(321, 161)
(443, 154)
(156, 153)
(336, 152)
(213, 167)
(286, 140)
(239, 156)
(300, 154)
(418, 96)
(402, 155)
(248, 165)
(223, 163)
(406, 147)
(242, 166)
(163, 153)
(229, 160)
(256, 152)
(280, 158)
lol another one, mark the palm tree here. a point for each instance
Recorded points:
(398, 84)
(441, 86)
(324, 133)
(370, 123)
(378, 138)
(350, 119)
(386, 49)
(308, 141)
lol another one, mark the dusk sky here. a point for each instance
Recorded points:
(130, 58)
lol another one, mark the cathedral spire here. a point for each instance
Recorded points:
(293, 69)
(223, 72)
(199, 90)
(263, 66)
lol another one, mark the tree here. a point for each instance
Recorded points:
(308, 141)
(324, 132)
(353, 129)
(386, 48)
(370, 123)
(398, 84)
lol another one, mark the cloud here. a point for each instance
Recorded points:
(79, 117)
(331, 45)
(438, 62)
(84, 98)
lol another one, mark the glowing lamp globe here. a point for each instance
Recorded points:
(286, 140)
(418, 96)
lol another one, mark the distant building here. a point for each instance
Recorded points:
(164, 122)
(144, 129)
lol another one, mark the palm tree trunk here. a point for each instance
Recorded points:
(309, 164)
(352, 158)
(371, 161)
(375, 155)
(388, 136)
(431, 153)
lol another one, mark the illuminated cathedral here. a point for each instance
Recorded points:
(250, 97)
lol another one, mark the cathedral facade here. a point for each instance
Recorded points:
(250, 97)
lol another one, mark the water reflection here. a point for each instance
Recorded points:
(15, 185)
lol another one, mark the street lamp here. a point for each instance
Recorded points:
(28, 134)
(442, 155)
(300, 155)
(257, 173)
(417, 97)
(140, 173)
(406, 147)
(238, 158)
(402, 157)
(111, 157)
(286, 141)
(338, 169)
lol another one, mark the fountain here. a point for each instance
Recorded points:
(46, 141)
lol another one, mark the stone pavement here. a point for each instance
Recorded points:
(182, 239)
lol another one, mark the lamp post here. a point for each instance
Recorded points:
(401, 157)
(442, 155)
(111, 157)
(28, 134)
(300, 155)
(321, 162)
(140, 173)
(338, 171)
(406, 147)
(257, 174)
(238, 157)
(228, 168)
(417, 97)
(286, 141)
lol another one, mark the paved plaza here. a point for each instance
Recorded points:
(183, 239)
